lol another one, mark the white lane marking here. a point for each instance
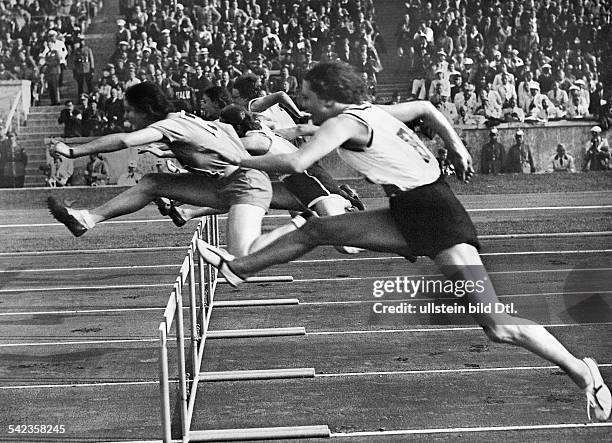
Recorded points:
(442, 371)
(158, 220)
(383, 300)
(467, 328)
(121, 222)
(327, 375)
(93, 268)
(379, 331)
(297, 280)
(486, 254)
(318, 260)
(385, 277)
(424, 431)
(87, 288)
(178, 248)
(539, 208)
(317, 303)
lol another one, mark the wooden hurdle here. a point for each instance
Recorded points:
(201, 303)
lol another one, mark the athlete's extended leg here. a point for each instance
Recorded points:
(462, 262)
(351, 229)
(189, 188)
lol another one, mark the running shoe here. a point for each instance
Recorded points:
(174, 168)
(176, 217)
(219, 259)
(60, 212)
(353, 197)
(163, 205)
(597, 393)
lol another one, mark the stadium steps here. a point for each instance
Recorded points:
(42, 120)
(389, 14)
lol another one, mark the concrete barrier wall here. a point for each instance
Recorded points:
(543, 140)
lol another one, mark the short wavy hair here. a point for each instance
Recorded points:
(337, 81)
(241, 119)
(148, 98)
(219, 95)
(248, 86)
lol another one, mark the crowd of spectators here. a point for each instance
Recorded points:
(188, 48)
(491, 61)
(38, 40)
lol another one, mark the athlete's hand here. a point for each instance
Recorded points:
(463, 166)
(156, 149)
(58, 148)
(231, 157)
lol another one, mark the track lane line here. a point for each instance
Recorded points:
(304, 280)
(425, 431)
(314, 303)
(317, 375)
(318, 260)
(379, 331)
(180, 248)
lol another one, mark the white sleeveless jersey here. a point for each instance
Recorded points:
(277, 114)
(394, 154)
(278, 145)
(197, 143)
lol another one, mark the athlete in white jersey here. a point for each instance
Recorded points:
(200, 146)
(393, 155)
(423, 218)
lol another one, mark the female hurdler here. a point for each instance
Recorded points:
(423, 218)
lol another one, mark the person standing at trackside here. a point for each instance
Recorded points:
(97, 170)
(492, 156)
(423, 216)
(83, 65)
(131, 177)
(519, 158)
(561, 161)
(446, 166)
(597, 156)
(13, 161)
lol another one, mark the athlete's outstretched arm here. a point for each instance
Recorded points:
(435, 120)
(332, 134)
(262, 103)
(301, 130)
(107, 143)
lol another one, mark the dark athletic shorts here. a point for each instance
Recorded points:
(431, 218)
(311, 186)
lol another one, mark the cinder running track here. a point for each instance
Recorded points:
(79, 317)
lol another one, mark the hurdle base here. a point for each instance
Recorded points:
(247, 303)
(260, 374)
(260, 433)
(247, 333)
(263, 279)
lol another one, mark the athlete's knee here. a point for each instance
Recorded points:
(316, 232)
(511, 334)
(148, 181)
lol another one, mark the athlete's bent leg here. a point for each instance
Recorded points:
(243, 227)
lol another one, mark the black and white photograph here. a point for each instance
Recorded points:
(355, 221)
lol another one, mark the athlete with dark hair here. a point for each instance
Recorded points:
(423, 218)
(198, 145)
